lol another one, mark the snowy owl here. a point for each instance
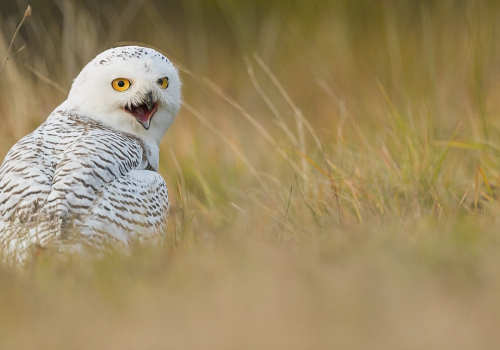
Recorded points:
(87, 177)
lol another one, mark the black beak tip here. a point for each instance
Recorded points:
(145, 125)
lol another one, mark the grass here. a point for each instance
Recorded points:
(333, 175)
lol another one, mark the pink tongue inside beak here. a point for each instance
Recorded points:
(143, 114)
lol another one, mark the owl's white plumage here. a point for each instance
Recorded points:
(87, 176)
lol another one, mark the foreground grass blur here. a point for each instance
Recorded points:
(333, 175)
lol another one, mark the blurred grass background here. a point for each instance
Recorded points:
(333, 174)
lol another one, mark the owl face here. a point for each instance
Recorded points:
(133, 89)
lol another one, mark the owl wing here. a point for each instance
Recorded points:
(102, 191)
(25, 183)
(25, 178)
(131, 208)
(66, 175)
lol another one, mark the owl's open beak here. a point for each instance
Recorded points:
(144, 111)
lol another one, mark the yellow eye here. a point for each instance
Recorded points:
(163, 82)
(121, 84)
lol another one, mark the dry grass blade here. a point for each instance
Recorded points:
(286, 213)
(47, 80)
(485, 180)
(27, 13)
(443, 155)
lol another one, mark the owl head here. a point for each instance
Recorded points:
(131, 88)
